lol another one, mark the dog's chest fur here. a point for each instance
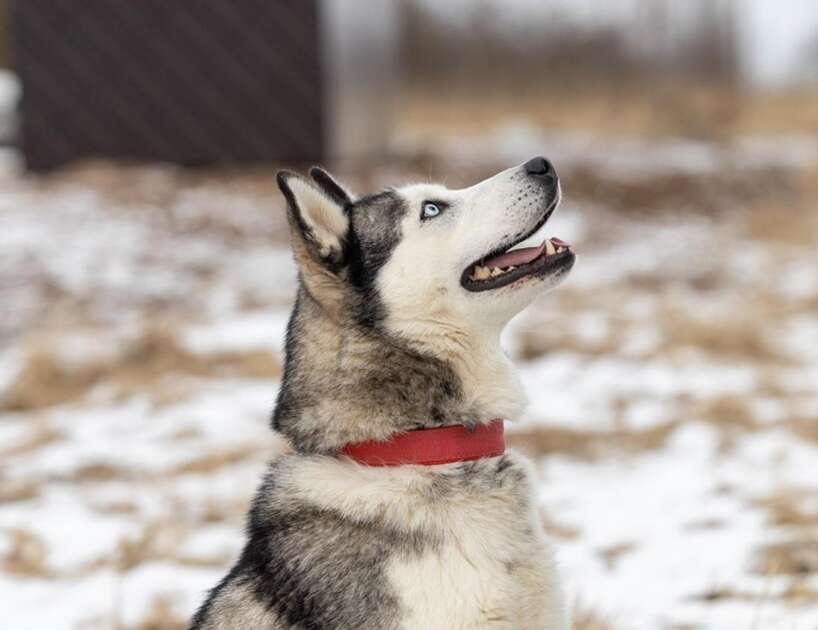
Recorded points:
(472, 526)
(477, 523)
(338, 545)
(468, 580)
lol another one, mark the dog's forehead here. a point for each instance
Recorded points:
(388, 208)
(373, 216)
(415, 192)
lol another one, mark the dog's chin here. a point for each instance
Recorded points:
(553, 279)
(496, 307)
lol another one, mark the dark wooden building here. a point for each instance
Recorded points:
(189, 82)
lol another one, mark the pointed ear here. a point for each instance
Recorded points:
(330, 186)
(318, 222)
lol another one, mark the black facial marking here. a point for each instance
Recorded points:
(291, 399)
(391, 387)
(343, 585)
(332, 188)
(335, 261)
(375, 231)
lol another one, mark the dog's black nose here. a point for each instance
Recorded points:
(540, 167)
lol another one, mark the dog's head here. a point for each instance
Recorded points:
(422, 259)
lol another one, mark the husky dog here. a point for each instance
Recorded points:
(402, 297)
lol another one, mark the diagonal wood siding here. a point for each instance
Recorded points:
(191, 82)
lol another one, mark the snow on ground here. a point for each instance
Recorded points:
(626, 156)
(673, 383)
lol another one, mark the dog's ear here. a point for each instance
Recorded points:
(330, 186)
(318, 221)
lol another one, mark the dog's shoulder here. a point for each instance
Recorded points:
(407, 498)
(336, 544)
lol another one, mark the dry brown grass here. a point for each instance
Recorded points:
(729, 412)
(705, 524)
(160, 616)
(115, 507)
(786, 508)
(789, 220)
(100, 472)
(156, 354)
(215, 460)
(612, 554)
(797, 557)
(14, 491)
(185, 433)
(533, 344)
(96, 472)
(744, 334)
(805, 428)
(587, 444)
(763, 221)
(27, 556)
(166, 189)
(213, 511)
(799, 593)
(211, 561)
(730, 415)
(695, 194)
(734, 335)
(585, 618)
(40, 435)
(557, 530)
(722, 593)
(157, 540)
(673, 109)
(45, 381)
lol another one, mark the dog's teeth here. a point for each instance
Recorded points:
(496, 271)
(549, 248)
(512, 268)
(481, 273)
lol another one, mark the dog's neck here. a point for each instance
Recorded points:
(345, 383)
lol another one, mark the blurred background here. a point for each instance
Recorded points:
(145, 281)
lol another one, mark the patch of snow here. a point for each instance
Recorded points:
(261, 329)
(566, 388)
(675, 525)
(630, 157)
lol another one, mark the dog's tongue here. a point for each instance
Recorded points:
(516, 257)
(523, 256)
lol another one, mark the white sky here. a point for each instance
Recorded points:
(773, 41)
(775, 38)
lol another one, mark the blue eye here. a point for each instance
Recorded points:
(430, 210)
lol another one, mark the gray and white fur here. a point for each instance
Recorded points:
(388, 334)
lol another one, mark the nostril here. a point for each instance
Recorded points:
(540, 167)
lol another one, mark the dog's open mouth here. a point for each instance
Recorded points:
(513, 264)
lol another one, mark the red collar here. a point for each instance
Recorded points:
(427, 447)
